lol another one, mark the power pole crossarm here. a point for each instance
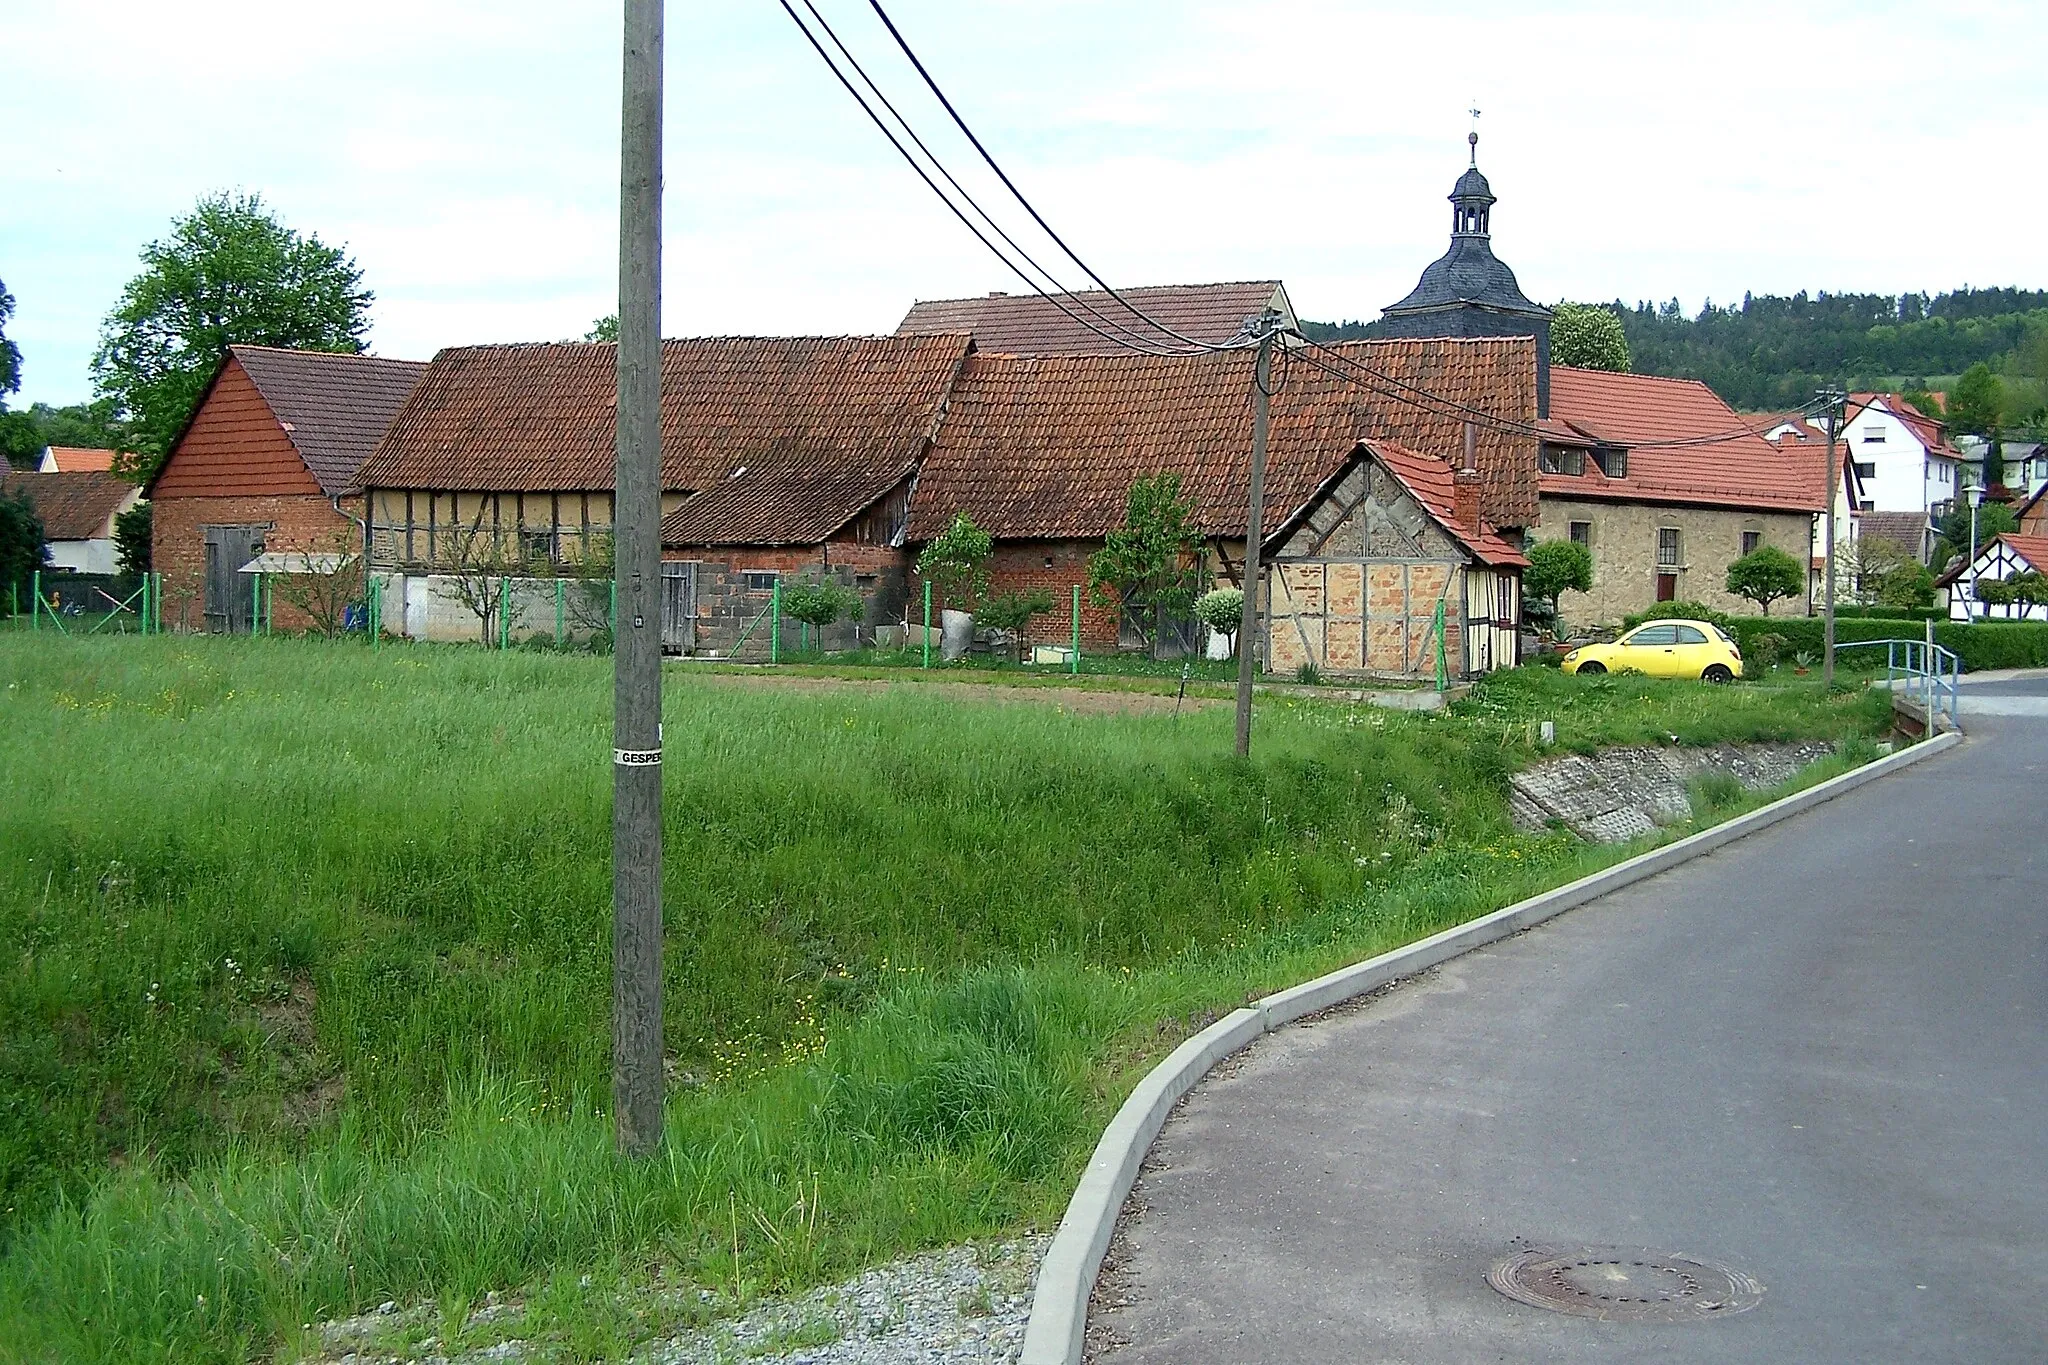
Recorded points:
(636, 527)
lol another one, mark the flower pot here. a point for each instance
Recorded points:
(956, 633)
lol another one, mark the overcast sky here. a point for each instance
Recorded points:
(466, 152)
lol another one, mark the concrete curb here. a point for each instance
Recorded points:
(1066, 1278)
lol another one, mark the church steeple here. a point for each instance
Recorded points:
(1469, 292)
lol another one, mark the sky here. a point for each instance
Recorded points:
(466, 153)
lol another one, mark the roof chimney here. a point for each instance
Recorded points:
(1465, 483)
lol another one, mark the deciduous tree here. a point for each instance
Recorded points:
(228, 273)
(1557, 567)
(1589, 336)
(1765, 575)
(1148, 564)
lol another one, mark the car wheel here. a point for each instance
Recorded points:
(1592, 666)
(1718, 673)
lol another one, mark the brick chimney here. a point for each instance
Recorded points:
(1465, 483)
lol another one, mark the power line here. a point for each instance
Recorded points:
(1135, 340)
(932, 185)
(1011, 185)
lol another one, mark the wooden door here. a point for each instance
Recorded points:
(678, 607)
(230, 593)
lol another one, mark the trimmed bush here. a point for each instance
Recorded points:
(1979, 644)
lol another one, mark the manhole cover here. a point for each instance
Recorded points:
(1620, 1285)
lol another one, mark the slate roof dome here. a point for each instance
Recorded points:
(1472, 185)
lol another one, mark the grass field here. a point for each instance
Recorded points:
(309, 962)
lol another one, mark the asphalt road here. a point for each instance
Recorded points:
(1819, 1055)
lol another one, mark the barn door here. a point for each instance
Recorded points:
(230, 599)
(678, 607)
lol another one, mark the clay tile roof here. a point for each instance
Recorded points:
(1430, 481)
(769, 502)
(1907, 530)
(73, 506)
(1047, 447)
(334, 407)
(540, 418)
(1027, 324)
(78, 459)
(1732, 466)
(2032, 549)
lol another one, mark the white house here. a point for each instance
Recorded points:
(74, 460)
(1902, 456)
(1799, 437)
(77, 512)
(2005, 556)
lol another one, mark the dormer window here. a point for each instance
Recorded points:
(1613, 461)
(1561, 460)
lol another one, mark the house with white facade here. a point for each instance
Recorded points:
(1902, 456)
(77, 511)
(2006, 556)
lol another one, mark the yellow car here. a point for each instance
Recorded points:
(1664, 649)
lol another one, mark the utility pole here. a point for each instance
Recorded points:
(1827, 667)
(636, 636)
(1264, 327)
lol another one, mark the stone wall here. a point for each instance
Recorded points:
(1624, 546)
(1621, 794)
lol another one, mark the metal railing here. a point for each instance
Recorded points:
(1922, 672)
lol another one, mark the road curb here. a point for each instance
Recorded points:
(1066, 1278)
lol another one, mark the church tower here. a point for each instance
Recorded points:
(1468, 292)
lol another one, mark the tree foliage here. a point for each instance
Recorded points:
(1557, 567)
(605, 328)
(1911, 584)
(228, 273)
(22, 548)
(1589, 336)
(10, 354)
(1975, 405)
(819, 601)
(955, 562)
(1765, 575)
(1993, 519)
(23, 434)
(132, 539)
(1149, 563)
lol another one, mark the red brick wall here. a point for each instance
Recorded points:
(178, 544)
(1057, 566)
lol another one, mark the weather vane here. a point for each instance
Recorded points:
(1472, 138)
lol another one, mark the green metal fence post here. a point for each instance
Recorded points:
(375, 614)
(1074, 664)
(558, 613)
(504, 611)
(927, 636)
(35, 601)
(775, 622)
(1443, 679)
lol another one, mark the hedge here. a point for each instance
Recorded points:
(1980, 645)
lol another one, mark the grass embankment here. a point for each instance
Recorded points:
(308, 963)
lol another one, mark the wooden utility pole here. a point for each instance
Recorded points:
(636, 635)
(1266, 325)
(1827, 666)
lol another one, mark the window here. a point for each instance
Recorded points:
(1581, 533)
(1559, 460)
(537, 545)
(1752, 541)
(1866, 469)
(1690, 635)
(759, 582)
(1613, 461)
(1655, 635)
(1668, 547)
(1873, 436)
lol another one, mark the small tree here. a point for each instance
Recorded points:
(956, 562)
(1148, 564)
(1993, 519)
(22, 547)
(479, 577)
(1222, 610)
(322, 582)
(132, 542)
(587, 603)
(1976, 402)
(1557, 567)
(1589, 336)
(1010, 614)
(818, 602)
(1764, 575)
(1911, 584)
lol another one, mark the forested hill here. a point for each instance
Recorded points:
(1770, 352)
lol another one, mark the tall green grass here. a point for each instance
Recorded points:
(311, 977)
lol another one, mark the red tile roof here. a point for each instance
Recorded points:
(1431, 482)
(73, 506)
(539, 418)
(780, 502)
(334, 407)
(1726, 463)
(1929, 433)
(1028, 324)
(1047, 447)
(78, 459)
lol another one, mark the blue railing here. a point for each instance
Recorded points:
(1922, 672)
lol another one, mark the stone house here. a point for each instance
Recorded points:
(266, 463)
(1667, 486)
(782, 458)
